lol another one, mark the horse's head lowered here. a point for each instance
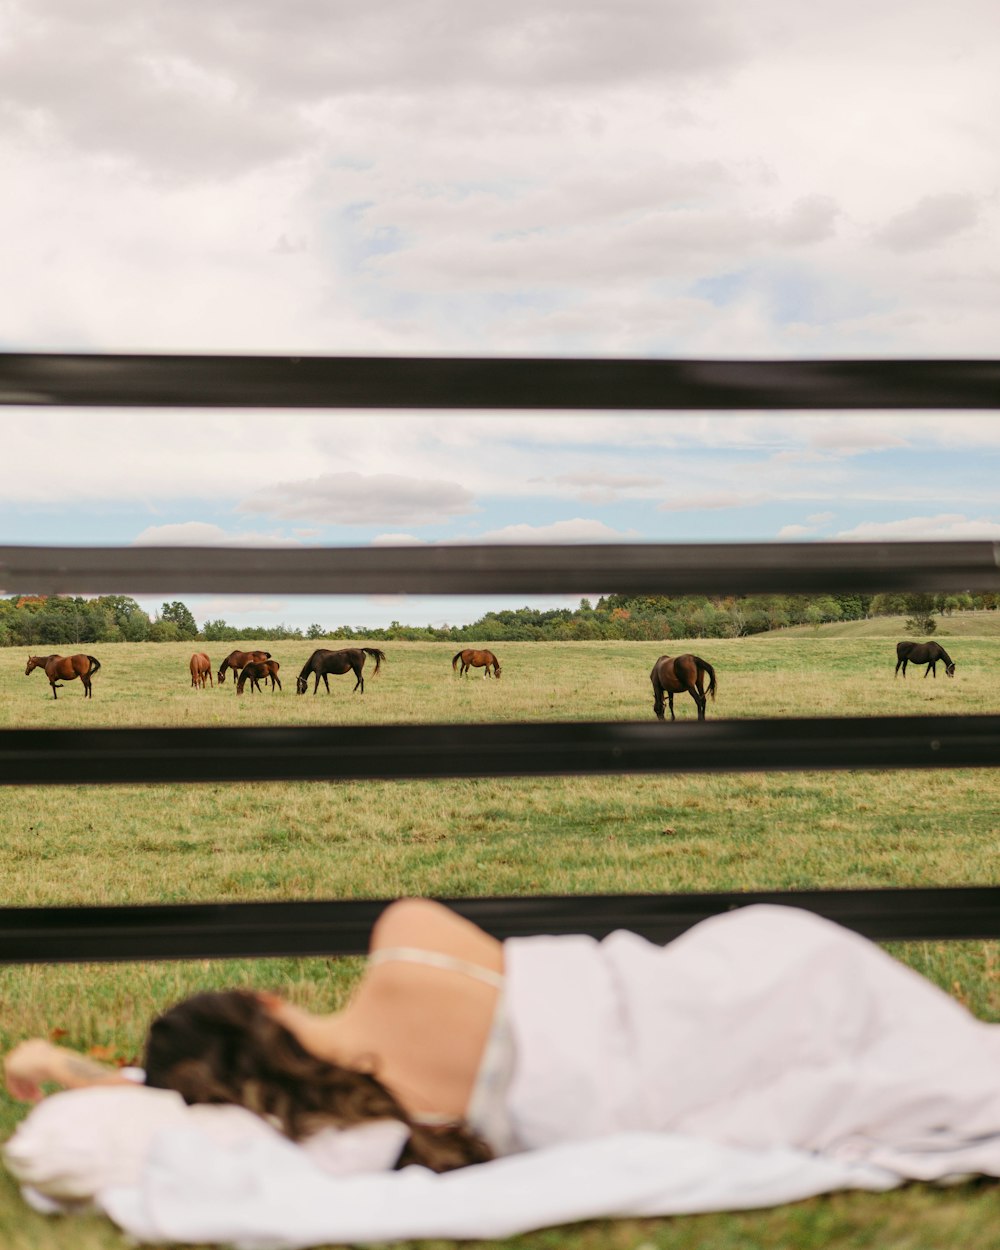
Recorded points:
(220, 676)
(33, 663)
(496, 670)
(950, 669)
(301, 685)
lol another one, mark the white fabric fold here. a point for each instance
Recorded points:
(267, 1195)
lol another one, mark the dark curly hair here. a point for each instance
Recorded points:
(225, 1047)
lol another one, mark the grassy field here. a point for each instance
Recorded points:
(560, 835)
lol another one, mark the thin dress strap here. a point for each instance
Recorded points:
(436, 959)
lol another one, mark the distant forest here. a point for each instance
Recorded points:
(37, 621)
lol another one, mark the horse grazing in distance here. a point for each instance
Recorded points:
(201, 669)
(686, 672)
(923, 653)
(237, 660)
(65, 668)
(323, 662)
(485, 660)
(257, 671)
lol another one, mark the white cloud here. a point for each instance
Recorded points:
(711, 501)
(820, 518)
(363, 499)
(943, 526)
(202, 534)
(933, 220)
(398, 540)
(577, 530)
(794, 531)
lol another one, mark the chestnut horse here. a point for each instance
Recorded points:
(201, 669)
(237, 659)
(257, 671)
(66, 668)
(923, 653)
(686, 672)
(476, 659)
(323, 662)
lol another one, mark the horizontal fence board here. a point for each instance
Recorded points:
(342, 927)
(203, 381)
(397, 752)
(634, 568)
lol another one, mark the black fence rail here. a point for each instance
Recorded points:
(335, 927)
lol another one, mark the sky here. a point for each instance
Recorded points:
(650, 178)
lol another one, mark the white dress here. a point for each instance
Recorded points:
(765, 1026)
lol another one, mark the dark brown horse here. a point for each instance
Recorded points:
(237, 659)
(66, 668)
(257, 671)
(923, 653)
(323, 662)
(686, 672)
(201, 669)
(476, 659)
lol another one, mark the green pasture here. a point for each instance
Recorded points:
(514, 836)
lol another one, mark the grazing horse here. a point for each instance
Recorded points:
(66, 668)
(237, 659)
(323, 662)
(686, 672)
(923, 653)
(485, 660)
(201, 669)
(257, 671)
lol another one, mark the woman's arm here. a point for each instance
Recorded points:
(36, 1062)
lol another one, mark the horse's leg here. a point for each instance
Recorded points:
(670, 698)
(928, 669)
(85, 678)
(896, 673)
(54, 689)
(698, 694)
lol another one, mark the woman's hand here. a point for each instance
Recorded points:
(28, 1066)
(36, 1061)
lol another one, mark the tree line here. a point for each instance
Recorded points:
(38, 621)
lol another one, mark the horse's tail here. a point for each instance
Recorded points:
(94, 664)
(654, 677)
(455, 660)
(379, 657)
(711, 675)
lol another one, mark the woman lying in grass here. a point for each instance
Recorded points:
(766, 1026)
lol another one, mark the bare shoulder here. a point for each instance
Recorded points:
(423, 923)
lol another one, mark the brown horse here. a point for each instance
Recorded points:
(201, 669)
(476, 659)
(923, 653)
(322, 662)
(237, 659)
(257, 671)
(686, 672)
(66, 668)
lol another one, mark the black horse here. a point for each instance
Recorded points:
(323, 662)
(923, 653)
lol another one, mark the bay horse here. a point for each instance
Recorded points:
(257, 671)
(323, 662)
(485, 660)
(923, 653)
(686, 672)
(237, 659)
(201, 669)
(65, 668)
